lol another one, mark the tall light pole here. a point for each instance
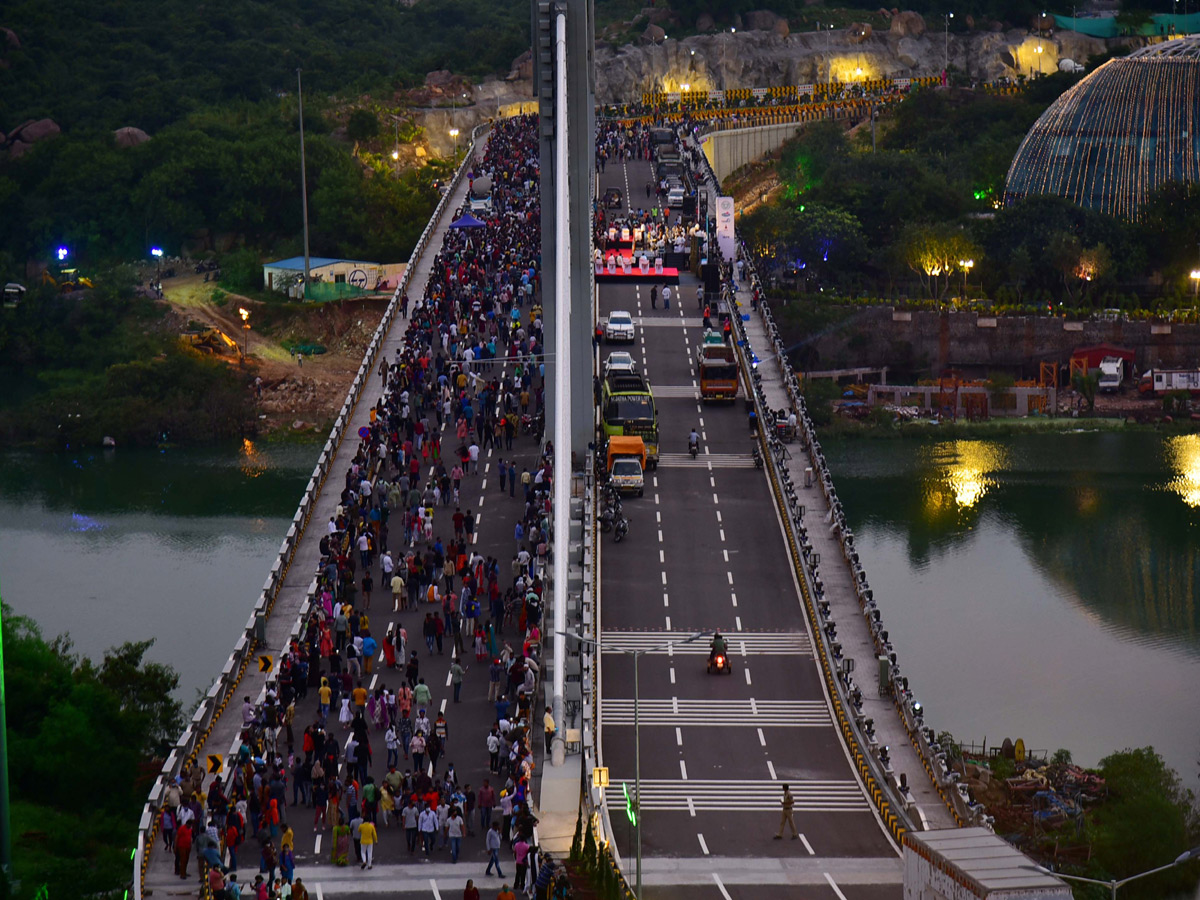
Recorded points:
(303, 185)
(946, 65)
(965, 265)
(5, 825)
(454, 134)
(1115, 883)
(245, 314)
(1195, 276)
(637, 735)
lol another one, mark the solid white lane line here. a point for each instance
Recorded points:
(833, 884)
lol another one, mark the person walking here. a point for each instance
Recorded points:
(785, 818)
(492, 842)
(428, 824)
(548, 724)
(654, 297)
(368, 836)
(666, 296)
(455, 826)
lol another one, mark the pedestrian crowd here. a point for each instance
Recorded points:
(468, 376)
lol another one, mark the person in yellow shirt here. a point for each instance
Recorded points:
(387, 803)
(325, 692)
(368, 837)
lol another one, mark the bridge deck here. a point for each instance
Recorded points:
(294, 586)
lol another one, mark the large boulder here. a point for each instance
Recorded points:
(32, 132)
(760, 20)
(910, 52)
(858, 32)
(654, 34)
(439, 79)
(657, 15)
(705, 22)
(908, 24)
(522, 67)
(17, 149)
(130, 136)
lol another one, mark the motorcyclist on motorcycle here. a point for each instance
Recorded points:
(718, 646)
(693, 442)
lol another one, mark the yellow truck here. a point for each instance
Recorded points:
(627, 463)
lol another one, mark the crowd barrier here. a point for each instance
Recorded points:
(253, 638)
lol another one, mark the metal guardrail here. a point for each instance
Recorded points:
(208, 712)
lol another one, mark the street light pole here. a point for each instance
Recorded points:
(946, 65)
(1115, 883)
(637, 731)
(303, 185)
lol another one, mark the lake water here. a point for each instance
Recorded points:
(122, 545)
(1039, 586)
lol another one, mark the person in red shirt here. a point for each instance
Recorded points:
(183, 849)
(470, 892)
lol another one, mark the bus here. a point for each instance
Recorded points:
(627, 408)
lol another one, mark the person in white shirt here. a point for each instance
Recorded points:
(427, 824)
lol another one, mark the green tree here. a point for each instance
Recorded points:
(362, 125)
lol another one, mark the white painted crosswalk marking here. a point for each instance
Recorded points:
(676, 713)
(709, 461)
(666, 795)
(752, 643)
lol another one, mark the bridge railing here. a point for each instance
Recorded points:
(841, 683)
(253, 637)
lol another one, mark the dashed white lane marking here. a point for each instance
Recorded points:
(718, 517)
(683, 769)
(691, 807)
(807, 846)
(448, 679)
(737, 620)
(715, 500)
(320, 893)
(374, 681)
(668, 623)
(661, 558)
(660, 540)
(726, 552)
(762, 738)
(317, 845)
(672, 674)
(658, 517)
(702, 421)
(729, 575)
(733, 597)
(833, 884)
(747, 671)
(704, 850)
(442, 708)
(656, 499)
(712, 482)
(771, 769)
(721, 887)
(438, 896)
(722, 534)
(483, 485)
(679, 737)
(664, 577)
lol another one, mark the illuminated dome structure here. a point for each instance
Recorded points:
(1120, 133)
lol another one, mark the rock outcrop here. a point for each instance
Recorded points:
(130, 136)
(757, 58)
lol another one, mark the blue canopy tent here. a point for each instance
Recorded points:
(466, 220)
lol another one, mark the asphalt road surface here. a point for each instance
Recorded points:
(706, 551)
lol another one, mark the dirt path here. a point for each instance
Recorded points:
(296, 396)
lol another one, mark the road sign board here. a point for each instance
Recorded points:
(600, 776)
(215, 762)
(265, 663)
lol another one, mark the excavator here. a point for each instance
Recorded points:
(211, 340)
(68, 280)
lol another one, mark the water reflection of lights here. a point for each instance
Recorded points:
(253, 463)
(963, 472)
(1183, 455)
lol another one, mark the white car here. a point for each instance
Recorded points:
(619, 326)
(619, 361)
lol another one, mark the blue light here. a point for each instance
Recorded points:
(63, 253)
(156, 251)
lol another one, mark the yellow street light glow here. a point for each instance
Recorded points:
(395, 154)
(966, 263)
(1039, 49)
(1195, 275)
(244, 313)
(453, 132)
(686, 87)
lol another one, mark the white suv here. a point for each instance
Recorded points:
(619, 326)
